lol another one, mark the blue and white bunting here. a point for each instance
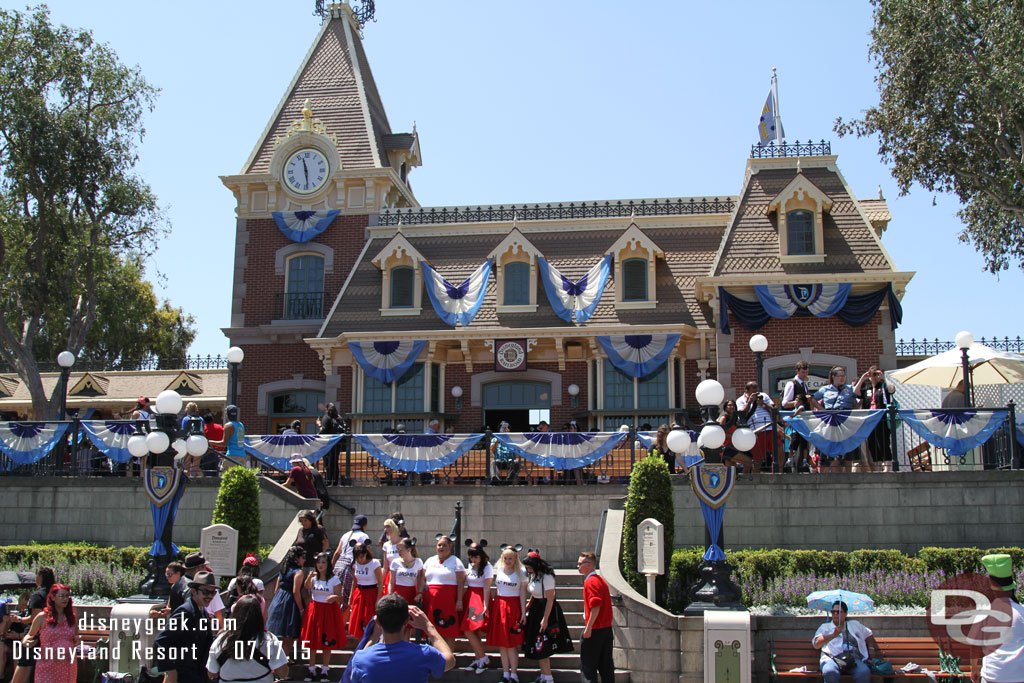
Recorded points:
(277, 450)
(822, 300)
(386, 361)
(561, 450)
(417, 452)
(580, 297)
(457, 305)
(26, 442)
(638, 355)
(302, 226)
(834, 432)
(110, 437)
(958, 431)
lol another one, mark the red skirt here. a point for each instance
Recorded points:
(473, 617)
(324, 627)
(441, 609)
(407, 592)
(503, 627)
(364, 607)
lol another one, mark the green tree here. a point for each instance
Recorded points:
(951, 111)
(74, 218)
(238, 506)
(649, 495)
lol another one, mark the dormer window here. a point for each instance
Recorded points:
(801, 209)
(636, 260)
(800, 232)
(515, 263)
(401, 277)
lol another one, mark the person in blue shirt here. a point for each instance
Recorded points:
(838, 395)
(395, 659)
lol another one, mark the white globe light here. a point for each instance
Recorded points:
(137, 445)
(712, 436)
(678, 441)
(710, 393)
(758, 343)
(574, 390)
(457, 391)
(157, 442)
(196, 444)
(235, 355)
(179, 446)
(168, 402)
(744, 439)
(65, 359)
(964, 339)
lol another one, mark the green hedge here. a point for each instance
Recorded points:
(649, 496)
(238, 506)
(29, 557)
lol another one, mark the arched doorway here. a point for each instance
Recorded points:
(520, 403)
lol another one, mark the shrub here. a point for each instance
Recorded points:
(29, 557)
(238, 506)
(951, 560)
(650, 495)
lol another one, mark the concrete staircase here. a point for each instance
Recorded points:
(564, 667)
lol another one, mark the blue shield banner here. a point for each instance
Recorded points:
(958, 431)
(161, 483)
(713, 483)
(417, 452)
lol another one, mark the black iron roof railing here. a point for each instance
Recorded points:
(795, 149)
(931, 347)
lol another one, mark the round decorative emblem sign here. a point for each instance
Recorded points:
(511, 355)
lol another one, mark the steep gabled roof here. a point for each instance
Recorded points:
(335, 76)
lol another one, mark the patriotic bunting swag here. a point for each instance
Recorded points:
(277, 450)
(164, 486)
(302, 226)
(561, 450)
(417, 452)
(638, 355)
(822, 300)
(782, 301)
(580, 297)
(26, 442)
(835, 432)
(713, 485)
(110, 437)
(386, 361)
(457, 305)
(958, 431)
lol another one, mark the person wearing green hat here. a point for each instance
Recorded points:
(1005, 664)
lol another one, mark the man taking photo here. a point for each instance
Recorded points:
(394, 659)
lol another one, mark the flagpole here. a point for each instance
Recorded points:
(778, 116)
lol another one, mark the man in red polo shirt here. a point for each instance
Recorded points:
(596, 644)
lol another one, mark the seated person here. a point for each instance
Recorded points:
(839, 636)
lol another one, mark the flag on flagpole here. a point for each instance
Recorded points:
(766, 129)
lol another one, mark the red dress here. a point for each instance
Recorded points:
(364, 598)
(503, 627)
(58, 639)
(324, 626)
(442, 593)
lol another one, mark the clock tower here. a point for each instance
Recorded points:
(326, 162)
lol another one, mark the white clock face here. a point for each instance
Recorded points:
(306, 171)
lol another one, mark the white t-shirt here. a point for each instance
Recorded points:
(366, 573)
(406, 576)
(535, 586)
(241, 666)
(859, 633)
(256, 582)
(443, 574)
(345, 556)
(1007, 662)
(761, 416)
(474, 580)
(390, 552)
(508, 584)
(324, 589)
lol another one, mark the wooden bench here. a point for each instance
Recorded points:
(792, 653)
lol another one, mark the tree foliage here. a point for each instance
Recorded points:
(75, 221)
(951, 111)
(649, 495)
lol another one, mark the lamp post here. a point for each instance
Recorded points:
(235, 356)
(574, 396)
(161, 449)
(65, 359)
(964, 340)
(457, 395)
(759, 344)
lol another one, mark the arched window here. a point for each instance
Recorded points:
(402, 282)
(304, 294)
(517, 284)
(800, 232)
(634, 279)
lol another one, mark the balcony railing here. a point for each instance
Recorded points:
(300, 305)
(796, 149)
(931, 347)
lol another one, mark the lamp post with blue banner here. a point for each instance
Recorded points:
(712, 482)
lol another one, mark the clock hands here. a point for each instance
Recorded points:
(305, 172)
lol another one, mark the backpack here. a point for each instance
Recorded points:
(321, 489)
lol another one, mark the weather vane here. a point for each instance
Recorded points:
(362, 9)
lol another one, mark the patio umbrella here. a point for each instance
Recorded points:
(988, 366)
(855, 602)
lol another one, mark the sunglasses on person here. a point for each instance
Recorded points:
(208, 592)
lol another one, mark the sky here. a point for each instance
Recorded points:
(532, 102)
